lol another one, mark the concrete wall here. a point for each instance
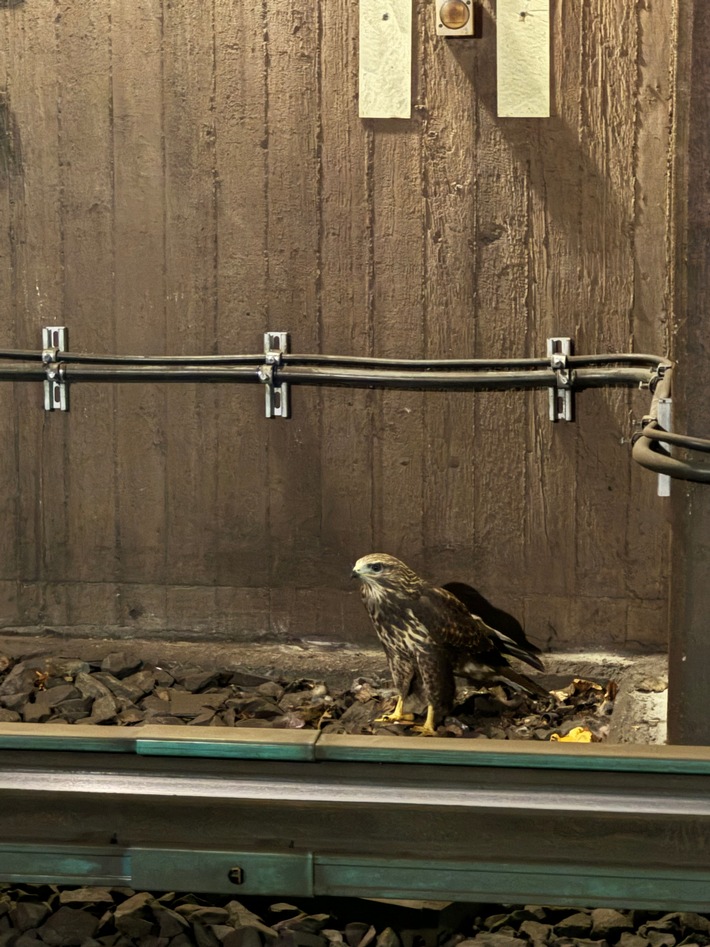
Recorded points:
(180, 177)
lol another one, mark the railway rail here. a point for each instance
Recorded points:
(305, 814)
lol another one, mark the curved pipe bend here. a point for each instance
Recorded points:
(649, 454)
(648, 451)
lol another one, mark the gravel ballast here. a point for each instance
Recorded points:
(120, 917)
(121, 689)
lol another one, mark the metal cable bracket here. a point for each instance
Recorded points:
(56, 389)
(277, 405)
(561, 398)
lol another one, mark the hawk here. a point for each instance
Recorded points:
(429, 636)
(502, 621)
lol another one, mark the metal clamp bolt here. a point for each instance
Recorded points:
(561, 396)
(56, 388)
(277, 400)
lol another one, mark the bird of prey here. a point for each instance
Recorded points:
(501, 620)
(429, 636)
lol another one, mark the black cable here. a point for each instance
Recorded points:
(413, 364)
(72, 358)
(678, 440)
(334, 376)
(647, 452)
(21, 355)
(461, 381)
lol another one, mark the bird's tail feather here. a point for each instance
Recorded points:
(508, 646)
(522, 680)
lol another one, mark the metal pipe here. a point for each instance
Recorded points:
(466, 381)
(678, 440)
(337, 376)
(408, 374)
(71, 358)
(22, 373)
(633, 358)
(414, 364)
(647, 451)
(21, 355)
(136, 373)
(170, 373)
(473, 364)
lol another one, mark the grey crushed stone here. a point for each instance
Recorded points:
(120, 917)
(123, 690)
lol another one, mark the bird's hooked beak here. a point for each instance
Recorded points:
(368, 569)
(359, 570)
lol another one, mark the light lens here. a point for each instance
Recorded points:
(454, 14)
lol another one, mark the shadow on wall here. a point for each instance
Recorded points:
(4, 4)
(569, 167)
(10, 151)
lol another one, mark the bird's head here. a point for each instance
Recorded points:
(380, 571)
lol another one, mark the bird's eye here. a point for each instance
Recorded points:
(376, 567)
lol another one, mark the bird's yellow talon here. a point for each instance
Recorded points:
(396, 715)
(391, 718)
(428, 728)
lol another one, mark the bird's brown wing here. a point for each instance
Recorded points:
(453, 627)
(449, 622)
(467, 639)
(470, 632)
(496, 618)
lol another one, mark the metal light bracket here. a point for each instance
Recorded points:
(665, 420)
(56, 388)
(276, 393)
(561, 396)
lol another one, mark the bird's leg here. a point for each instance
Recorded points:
(396, 714)
(428, 728)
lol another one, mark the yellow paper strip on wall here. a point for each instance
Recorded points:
(385, 58)
(523, 30)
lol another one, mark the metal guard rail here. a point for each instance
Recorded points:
(311, 814)
(650, 446)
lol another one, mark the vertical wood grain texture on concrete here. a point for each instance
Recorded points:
(87, 221)
(346, 267)
(34, 223)
(240, 542)
(190, 291)
(9, 500)
(180, 178)
(137, 69)
(448, 162)
(294, 142)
